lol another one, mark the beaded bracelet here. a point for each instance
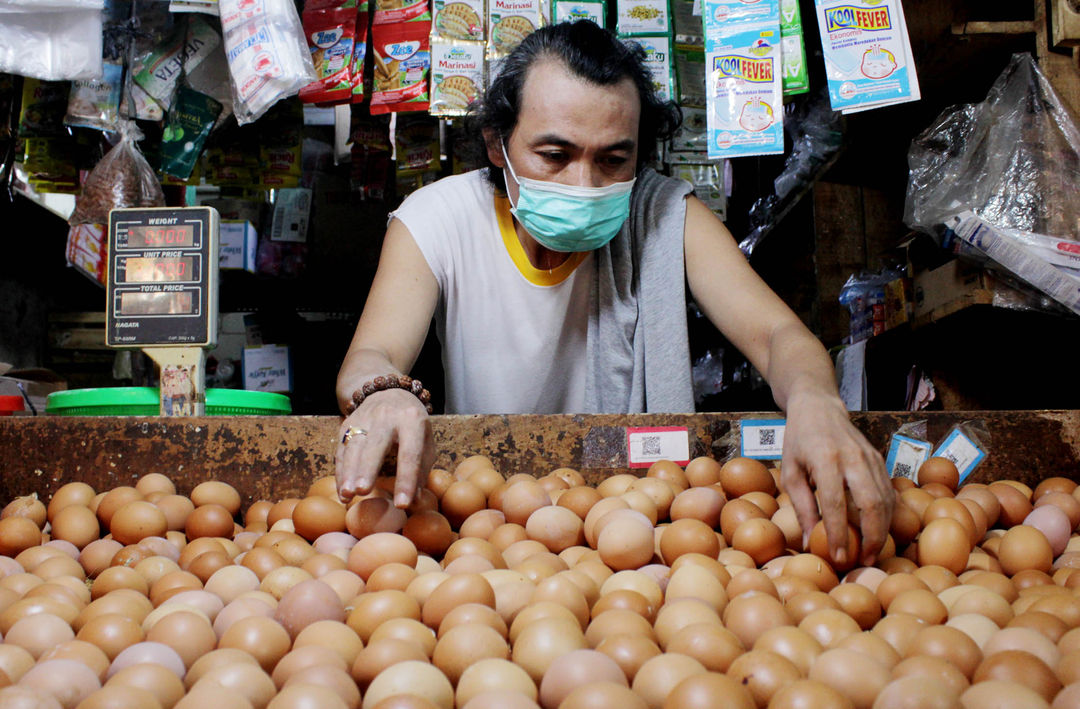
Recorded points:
(391, 381)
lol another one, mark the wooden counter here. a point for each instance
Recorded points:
(277, 457)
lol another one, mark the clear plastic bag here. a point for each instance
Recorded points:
(122, 178)
(51, 39)
(1013, 160)
(267, 52)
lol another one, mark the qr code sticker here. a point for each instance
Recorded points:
(766, 436)
(902, 470)
(650, 445)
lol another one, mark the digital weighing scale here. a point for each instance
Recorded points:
(162, 292)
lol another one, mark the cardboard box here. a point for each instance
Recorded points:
(35, 384)
(239, 240)
(949, 288)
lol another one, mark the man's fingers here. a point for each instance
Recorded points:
(372, 452)
(830, 495)
(410, 459)
(873, 496)
(793, 478)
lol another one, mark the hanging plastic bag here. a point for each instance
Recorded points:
(122, 178)
(268, 55)
(1001, 176)
(1013, 160)
(51, 39)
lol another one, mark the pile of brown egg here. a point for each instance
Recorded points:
(684, 589)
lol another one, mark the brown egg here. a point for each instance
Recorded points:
(597, 695)
(750, 615)
(938, 470)
(739, 476)
(945, 542)
(209, 520)
(859, 602)
(709, 643)
(308, 602)
(247, 680)
(1022, 668)
(542, 641)
(734, 513)
(430, 532)
(318, 515)
(454, 591)
(465, 645)
(411, 677)
(464, 497)
(381, 654)
(163, 684)
(38, 633)
(949, 645)
(189, 634)
(702, 471)
(137, 520)
(1022, 548)
(111, 632)
(263, 638)
(626, 540)
(853, 675)
(521, 499)
(491, 675)
(763, 673)
(380, 548)
(556, 527)
(78, 493)
(216, 492)
(369, 610)
(28, 506)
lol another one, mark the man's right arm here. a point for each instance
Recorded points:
(388, 339)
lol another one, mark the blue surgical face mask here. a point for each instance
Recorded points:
(568, 218)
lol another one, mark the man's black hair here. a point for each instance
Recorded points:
(589, 52)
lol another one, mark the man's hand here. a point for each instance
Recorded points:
(385, 419)
(821, 444)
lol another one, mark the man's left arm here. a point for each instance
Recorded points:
(820, 443)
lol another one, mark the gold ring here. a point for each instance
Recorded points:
(352, 431)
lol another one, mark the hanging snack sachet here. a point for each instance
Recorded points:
(389, 12)
(795, 78)
(331, 36)
(459, 19)
(744, 91)
(95, 103)
(511, 21)
(402, 56)
(360, 45)
(867, 53)
(572, 11)
(457, 76)
(643, 17)
(191, 118)
(658, 60)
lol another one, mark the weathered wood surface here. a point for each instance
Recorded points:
(276, 457)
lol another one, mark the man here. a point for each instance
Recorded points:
(556, 280)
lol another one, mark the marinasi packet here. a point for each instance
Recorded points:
(457, 75)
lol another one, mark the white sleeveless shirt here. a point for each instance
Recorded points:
(513, 336)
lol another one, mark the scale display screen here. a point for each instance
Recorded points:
(172, 303)
(162, 281)
(159, 269)
(148, 237)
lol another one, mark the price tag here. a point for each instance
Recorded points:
(962, 451)
(648, 444)
(905, 456)
(762, 439)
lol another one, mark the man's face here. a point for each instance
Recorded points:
(571, 131)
